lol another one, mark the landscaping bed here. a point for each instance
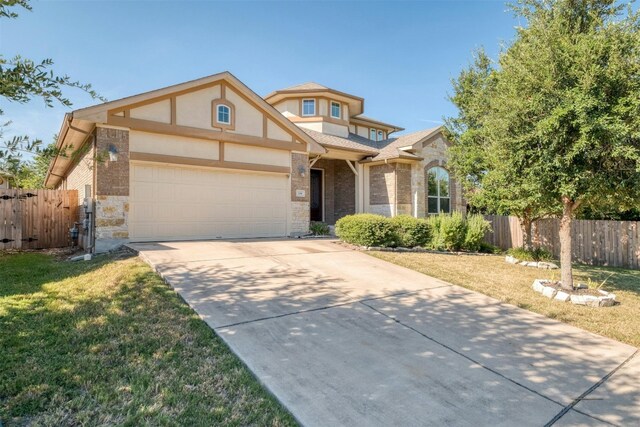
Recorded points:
(107, 342)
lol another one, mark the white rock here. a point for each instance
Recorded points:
(589, 300)
(547, 265)
(538, 285)
(532, 264)
(549, 292)
(511, 260)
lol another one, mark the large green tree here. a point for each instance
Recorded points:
(560, 125)
(22, 80)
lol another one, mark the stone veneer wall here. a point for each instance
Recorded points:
(434, 153)
(299, 205)
(112, 185)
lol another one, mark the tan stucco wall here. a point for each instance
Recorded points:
(157, 112)
(145, 142)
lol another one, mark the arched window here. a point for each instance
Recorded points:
(224, 114)
(438, 195)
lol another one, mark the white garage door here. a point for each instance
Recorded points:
(181, 203)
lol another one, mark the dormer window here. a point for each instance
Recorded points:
(335, 110)
(372, 134)
(308, 107)
(380, 135)
(224, 114)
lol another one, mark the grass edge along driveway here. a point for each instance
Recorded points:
(108, 342)
(492, 276)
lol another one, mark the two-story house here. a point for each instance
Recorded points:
(211, 159)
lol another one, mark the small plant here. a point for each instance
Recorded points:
(411, 232)
(538, 254)
(476, 227)
(319, 229)
(449, 231)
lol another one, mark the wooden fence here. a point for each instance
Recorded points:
(610, 243)
(37, 219)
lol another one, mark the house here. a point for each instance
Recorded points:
(210, 159)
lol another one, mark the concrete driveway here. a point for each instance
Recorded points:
(342, 338)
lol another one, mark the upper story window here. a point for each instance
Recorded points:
(335, 110)
(224, 114)
(372, 134)
(308, 107)
(380, 135)
(438, 196)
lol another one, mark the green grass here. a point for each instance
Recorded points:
(107, 342)
(492, 276)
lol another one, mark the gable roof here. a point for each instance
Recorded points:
(396, 148)
(79, 123)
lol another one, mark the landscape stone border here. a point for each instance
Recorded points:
(606, 299)
(537, 264)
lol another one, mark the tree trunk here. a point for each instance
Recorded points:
(525, 224)
(565, 243)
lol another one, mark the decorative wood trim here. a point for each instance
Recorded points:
(191, 132)
(192, 161)
(318, 119)
(265, 127)
(221, 151)
(173, 111)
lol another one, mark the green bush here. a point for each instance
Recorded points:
(537, 254)
(319, 229)
(488, 248)
(477, 227)
(449, 231)
(411, 232)
(367, 230)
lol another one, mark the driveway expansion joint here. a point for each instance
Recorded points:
(588, 392)
(342, 304)
(462, 354)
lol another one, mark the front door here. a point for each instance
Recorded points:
(316, 195)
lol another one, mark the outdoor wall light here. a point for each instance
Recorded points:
(113, 153)
(302, 170)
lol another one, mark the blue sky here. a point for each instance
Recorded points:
(400, 56)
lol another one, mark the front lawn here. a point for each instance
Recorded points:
(492, 276)
(106, 342)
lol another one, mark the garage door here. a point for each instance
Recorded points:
(182, 203)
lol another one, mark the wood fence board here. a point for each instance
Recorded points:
(608, 243)
(36, 219)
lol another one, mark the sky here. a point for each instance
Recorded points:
(400, 56)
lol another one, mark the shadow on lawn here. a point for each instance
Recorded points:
(616, 278)
(114, 349)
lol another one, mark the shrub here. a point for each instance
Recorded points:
(537, 254)
(410, 231)
(477, 227)
(488, 248)
(449, 231)
(319, 229)
(367, 230)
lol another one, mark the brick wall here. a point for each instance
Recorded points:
(299, 205)
(339, 189)
(112, 185)
(78, 178)
(382, 183)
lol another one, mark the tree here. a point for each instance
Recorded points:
(22, 80)
(488, 177)
(563, 113)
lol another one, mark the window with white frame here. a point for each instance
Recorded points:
(308, 107)
(335, 110)
(372, 134)
(438, 195)
(380, 135)
(224, 114)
